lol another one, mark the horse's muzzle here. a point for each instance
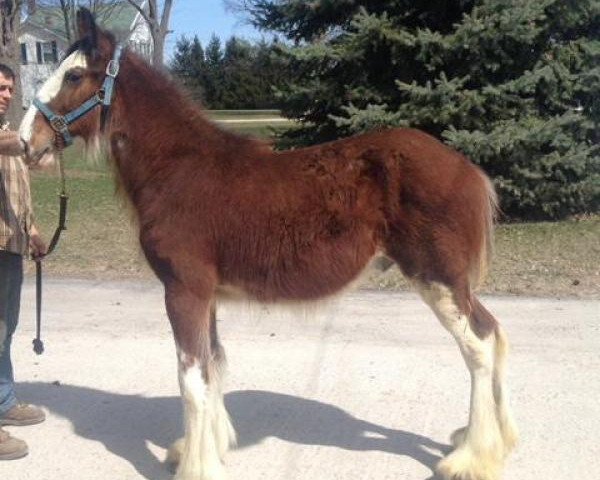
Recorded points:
(38, 158)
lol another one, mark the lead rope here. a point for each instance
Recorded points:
(38, 345)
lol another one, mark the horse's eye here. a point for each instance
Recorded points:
(73, 77)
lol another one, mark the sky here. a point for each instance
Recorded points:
(203, 18)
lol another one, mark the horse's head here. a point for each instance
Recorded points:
(71, 101)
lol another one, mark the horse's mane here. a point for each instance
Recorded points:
(178, 112)
(156, 114)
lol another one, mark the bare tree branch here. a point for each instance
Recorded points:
(102, 9)
(140, 10)
(166, 16)
(158, 26)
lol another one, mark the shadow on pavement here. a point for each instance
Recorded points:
(124, 423)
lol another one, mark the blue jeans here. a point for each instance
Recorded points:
(11, 280)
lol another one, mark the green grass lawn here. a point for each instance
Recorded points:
(555, 259)
(257, 123)
(242, 114)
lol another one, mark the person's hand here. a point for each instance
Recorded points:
(37, 245)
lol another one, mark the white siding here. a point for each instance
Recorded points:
(140, 40)
(34, 74)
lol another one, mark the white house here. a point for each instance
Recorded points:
(44, 40)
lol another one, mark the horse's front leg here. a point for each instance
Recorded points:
(208, 431)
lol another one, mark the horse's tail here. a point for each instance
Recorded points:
(489, 211)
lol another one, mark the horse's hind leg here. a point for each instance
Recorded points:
(508, 428)
(207, 426)
(490, 433)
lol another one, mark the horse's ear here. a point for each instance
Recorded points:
(87, 30)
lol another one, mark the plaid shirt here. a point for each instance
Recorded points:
(16, 215)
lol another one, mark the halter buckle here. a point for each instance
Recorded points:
(112, 68)
(59, 124)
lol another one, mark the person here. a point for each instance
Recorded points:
(18, 238)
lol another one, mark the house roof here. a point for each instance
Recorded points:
(118, 17)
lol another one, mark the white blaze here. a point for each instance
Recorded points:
(50, 89)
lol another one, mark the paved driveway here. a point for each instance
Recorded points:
(368, 387)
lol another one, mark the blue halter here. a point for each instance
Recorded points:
(60, 123)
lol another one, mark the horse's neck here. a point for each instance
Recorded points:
(155, 127)
(157, 113)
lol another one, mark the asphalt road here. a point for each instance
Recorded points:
(367, 387)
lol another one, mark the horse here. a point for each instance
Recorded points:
(222, 215)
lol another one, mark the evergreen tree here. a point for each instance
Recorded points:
(514, 84)
(243, 75)
(240, 85)
(213, 79)
(189, 65)
(271, 70)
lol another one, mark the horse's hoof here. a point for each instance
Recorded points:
(217, 472)
(462, 464)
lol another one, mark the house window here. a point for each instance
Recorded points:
(46, 52)
(23, 54)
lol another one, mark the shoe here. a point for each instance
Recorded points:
(11, 448)
(23, 414)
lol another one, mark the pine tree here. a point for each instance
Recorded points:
(243, 75)
(189, 65)
(213, 80)
(239, 83)
(271, 70)
(514, 84)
